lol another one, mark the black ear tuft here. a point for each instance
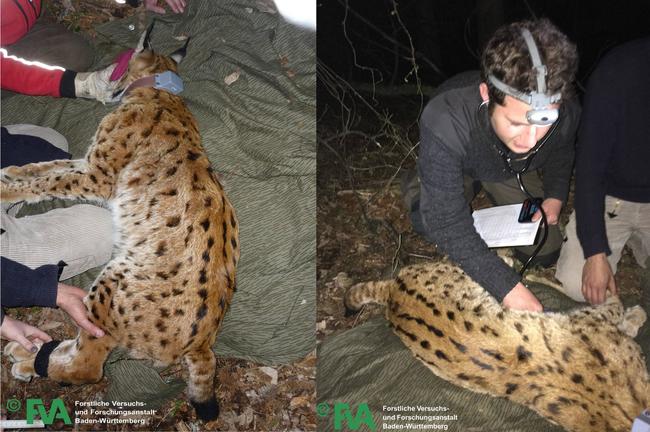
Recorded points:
(179, 54)
(145, 39)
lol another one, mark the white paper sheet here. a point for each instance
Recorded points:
(499, 227)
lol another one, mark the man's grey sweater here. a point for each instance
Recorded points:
(457, 139)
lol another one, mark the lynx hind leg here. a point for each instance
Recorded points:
(202, 370)
(367, 292)
(633, 319)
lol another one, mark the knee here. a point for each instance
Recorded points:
(571, 280)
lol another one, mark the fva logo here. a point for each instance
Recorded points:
(35, 408)
(345, 416)
(57, 411)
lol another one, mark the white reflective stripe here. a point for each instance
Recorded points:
(5, 54)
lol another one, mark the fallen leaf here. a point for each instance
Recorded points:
(273, 373)
(343, 281)
(232, 77)
(182, 427)
(50, 325)
(246, 418)
(300, 401)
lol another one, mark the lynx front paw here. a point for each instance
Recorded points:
(632, 320)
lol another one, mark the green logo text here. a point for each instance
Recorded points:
(344, 416)
(57, 411)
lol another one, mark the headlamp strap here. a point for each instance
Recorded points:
(537, 60)
(537, 99)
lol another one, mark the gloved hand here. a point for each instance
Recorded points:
(96, 85)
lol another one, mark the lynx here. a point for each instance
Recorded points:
(165, 292)
(581, 369)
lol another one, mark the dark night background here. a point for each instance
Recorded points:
(448, 34)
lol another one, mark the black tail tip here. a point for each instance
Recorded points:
(207, 411)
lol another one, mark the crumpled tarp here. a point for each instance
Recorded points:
(370, 364)
(260, 135)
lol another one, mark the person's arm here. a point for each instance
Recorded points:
(177, 6)
(38, 79)
(22, 286)
(447, 219)
(596, 141)
(34, 78)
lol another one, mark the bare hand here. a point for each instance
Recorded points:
(70, 299)
(178, 6)
(22, 333)
(552, 208)
(597, 278)
(520, 298)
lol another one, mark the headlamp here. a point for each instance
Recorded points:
(542, 117)
(539, 100)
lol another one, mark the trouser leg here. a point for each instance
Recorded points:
(508, 192)
(54, 45)
(619, 230)
(640, 239)
(80, 235)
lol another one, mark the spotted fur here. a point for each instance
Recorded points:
(581, 369)
(164, 294)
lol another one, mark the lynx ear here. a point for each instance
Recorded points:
(179, 54)
(145, 42)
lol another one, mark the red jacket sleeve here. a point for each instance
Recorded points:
(16, 18)
(34, 78)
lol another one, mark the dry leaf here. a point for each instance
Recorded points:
(182, 427)
(50, 325)
(246, 418)
(232, 77)
(300, 401)
(284, 60)
(343, 281)
(273, 373)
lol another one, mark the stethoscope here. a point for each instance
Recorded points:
(527, 159)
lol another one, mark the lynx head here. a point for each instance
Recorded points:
(145, 62)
